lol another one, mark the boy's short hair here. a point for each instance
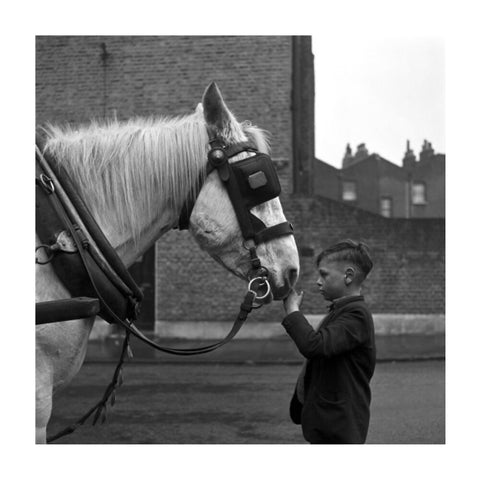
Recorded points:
(351, 251)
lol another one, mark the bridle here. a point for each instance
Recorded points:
(249, 183)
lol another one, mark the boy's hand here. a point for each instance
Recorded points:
(293, 301)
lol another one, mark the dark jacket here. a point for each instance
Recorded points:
(341, 361)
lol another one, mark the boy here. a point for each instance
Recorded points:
(332, 397)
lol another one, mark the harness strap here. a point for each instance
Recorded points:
(77, 270)
(64, 206)
(66, 309)
(92, 226)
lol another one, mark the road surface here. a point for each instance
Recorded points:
(214, 403)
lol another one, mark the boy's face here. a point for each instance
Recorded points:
(332, 279)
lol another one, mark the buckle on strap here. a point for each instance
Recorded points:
(46, 183)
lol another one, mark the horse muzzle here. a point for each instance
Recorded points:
(289, 280)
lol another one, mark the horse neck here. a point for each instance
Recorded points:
(128, 246)
(136, 192)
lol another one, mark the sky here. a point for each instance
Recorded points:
(378, 91)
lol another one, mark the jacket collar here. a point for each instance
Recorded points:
(337, 303)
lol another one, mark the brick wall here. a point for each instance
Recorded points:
(144, 75)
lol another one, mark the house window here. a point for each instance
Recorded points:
(386, 207)
(349, 192)
(418, 193)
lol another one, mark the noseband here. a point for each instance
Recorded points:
(249, 183)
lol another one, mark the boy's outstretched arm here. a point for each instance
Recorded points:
(347, 332)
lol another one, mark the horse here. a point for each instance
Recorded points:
(135, 177)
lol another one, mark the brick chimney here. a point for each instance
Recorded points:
(409, 158)
(427, 150)
(361, 152)
(347, 157)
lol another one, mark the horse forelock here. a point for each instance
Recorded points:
(260, 137)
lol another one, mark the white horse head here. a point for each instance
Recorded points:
(214, 223)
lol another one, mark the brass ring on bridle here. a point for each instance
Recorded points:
(264, 281)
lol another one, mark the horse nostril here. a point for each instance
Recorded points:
(292, 277)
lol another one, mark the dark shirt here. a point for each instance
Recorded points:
(341, 362)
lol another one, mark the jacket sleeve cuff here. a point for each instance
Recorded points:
(292, 319)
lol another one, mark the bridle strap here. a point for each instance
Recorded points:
(230, 151)
(233, 149)
(272, 232)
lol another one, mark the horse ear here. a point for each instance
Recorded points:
(216, 113)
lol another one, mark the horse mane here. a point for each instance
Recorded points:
(132, 167)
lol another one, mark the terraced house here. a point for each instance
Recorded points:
(370, 182)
